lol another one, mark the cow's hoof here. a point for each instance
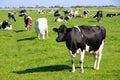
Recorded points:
(82, 71)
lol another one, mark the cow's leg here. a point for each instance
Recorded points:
(39, 35)
(73, 66)
(99, 55)
(95, 60)
(99, 59)
(81, 61)
(72, 60)
(28, 27)
(43, 35)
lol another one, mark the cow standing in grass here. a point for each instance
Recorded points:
(11, 16)
(27, 20)
(81, 39)
(99, 15)
(41, 28)
(85, 13)
(57, 13)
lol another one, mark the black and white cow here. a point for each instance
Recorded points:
(5, 25)
(63, 19)
(57, 13)
(23, 11)
(11, 16)
(59, 19)
(98, 15)
(81, 39)
(112, 14)
(85, 13)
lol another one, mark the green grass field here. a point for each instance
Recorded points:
(24, 57)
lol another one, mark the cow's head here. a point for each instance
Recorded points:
(62, 32)
(22, 14)
(13, 17)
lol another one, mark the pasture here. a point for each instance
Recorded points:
(24, 57)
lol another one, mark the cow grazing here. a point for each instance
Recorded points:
(23, 11)
(112, 14)
(99, 15)
(63, 19)
(41, 11)
(66, 12)
(68, 17)
(57, 13)
(41, 28)
(75, 13)
(5, 25)
(27, 20)
(11, 16)
(60, 19)
(85, 13)
(81, 39)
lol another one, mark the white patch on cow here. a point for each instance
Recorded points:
(78, 29)
(29, 17)
(72, 59)
(70, 52)
(82, 53)
(8, 27)
(0, 23)
(69, 17)
(87, 48)
(60, 20)
(78, 51)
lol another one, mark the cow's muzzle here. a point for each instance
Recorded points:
(58, 40)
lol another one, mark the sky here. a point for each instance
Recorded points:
(64, 3)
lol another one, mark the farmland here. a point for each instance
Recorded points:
(24, 57)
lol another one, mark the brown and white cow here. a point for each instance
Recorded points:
(27, 20)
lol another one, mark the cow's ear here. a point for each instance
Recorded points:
(55, 29)
(69, 29)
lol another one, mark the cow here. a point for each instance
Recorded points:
(98, 15)
(41, 28)
(57, 13)
(66, 18)
(11, 16)
(63, 19)
(66, 12)
(23, 11)
(112, 14)
(75, 13)
(5, 25)
(59, 19)
(41, 11)
(79, 39)
(27, 20)
(85, 13)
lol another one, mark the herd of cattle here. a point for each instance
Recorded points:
(68, 14)
(78, 39)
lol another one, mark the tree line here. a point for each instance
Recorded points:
(57, 6)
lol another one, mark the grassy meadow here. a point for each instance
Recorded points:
(24, 57)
